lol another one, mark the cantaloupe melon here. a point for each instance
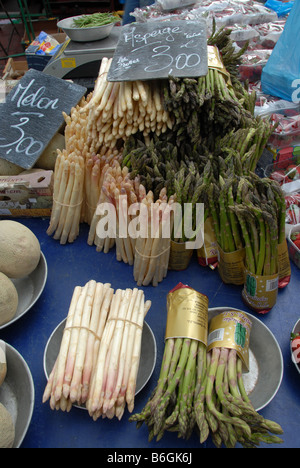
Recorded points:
(48, 158)
(8, 299)
(7, 428)
(8, 168)
(20, 249)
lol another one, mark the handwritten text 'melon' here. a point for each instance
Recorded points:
(26, 97)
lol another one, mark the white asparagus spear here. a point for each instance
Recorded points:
(64, 347)
(94, 400)
(112, 369)
(123, 351)
(156, 250)
(93, 325)
(49, 386)
(130, 345)
(73, 341)
(75, 385)
(121, 354)
(94, 339)
(72, 218)
(136, 353)
(99, 88)
(66, 201)
(58, 198)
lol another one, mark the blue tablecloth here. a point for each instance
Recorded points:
(75, 264)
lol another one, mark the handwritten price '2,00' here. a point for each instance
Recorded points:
(23, 144)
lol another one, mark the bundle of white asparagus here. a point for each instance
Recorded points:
(67, 197)
(76, 132)
(98, 361)
(152, 252)
(147, 248)
(116, 186)
(69, 174)
(117, 110)
(95, 170)
(95, 133)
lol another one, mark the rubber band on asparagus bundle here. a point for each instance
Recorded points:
(126, 321)
(152, 256)
(68, 205)
(80, 327)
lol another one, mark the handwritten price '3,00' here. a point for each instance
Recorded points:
(165, 60)
(27, 145)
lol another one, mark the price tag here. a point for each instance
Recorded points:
(153, 50)
(32, 114)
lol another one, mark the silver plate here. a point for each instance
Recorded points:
(266, 362)
(17, 393)
(147, 359)
(29, 289)
(295, 330)
(84, 34)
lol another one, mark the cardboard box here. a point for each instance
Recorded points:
(28, 195)
(48, 25)
(14, 69)
(39, 62)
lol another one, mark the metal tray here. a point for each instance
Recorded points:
(29, 289)
(17, 393)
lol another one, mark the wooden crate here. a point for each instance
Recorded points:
(14, 69)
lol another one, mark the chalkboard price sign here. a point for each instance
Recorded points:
(32, 115)
(159, 49)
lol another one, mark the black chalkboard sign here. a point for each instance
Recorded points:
(32, 115)
(157, 49)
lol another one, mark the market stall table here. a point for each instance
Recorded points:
(74, 264)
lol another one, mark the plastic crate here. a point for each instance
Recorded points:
(294, 252)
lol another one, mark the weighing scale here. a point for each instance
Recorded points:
(80, 61)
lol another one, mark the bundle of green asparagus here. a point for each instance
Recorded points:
(223, 408)
(242, 148)
(171, 406)
(204, 392)
(221, 198)
(259, 208)
(201, 389)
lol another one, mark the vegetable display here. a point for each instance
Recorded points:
(99, 355)
(201, 389)
(190, 139)
(95, 20)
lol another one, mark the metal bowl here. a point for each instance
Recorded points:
(17, 393)
(84, 34)
(295, 330)
(29, 289)
(266, 362)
